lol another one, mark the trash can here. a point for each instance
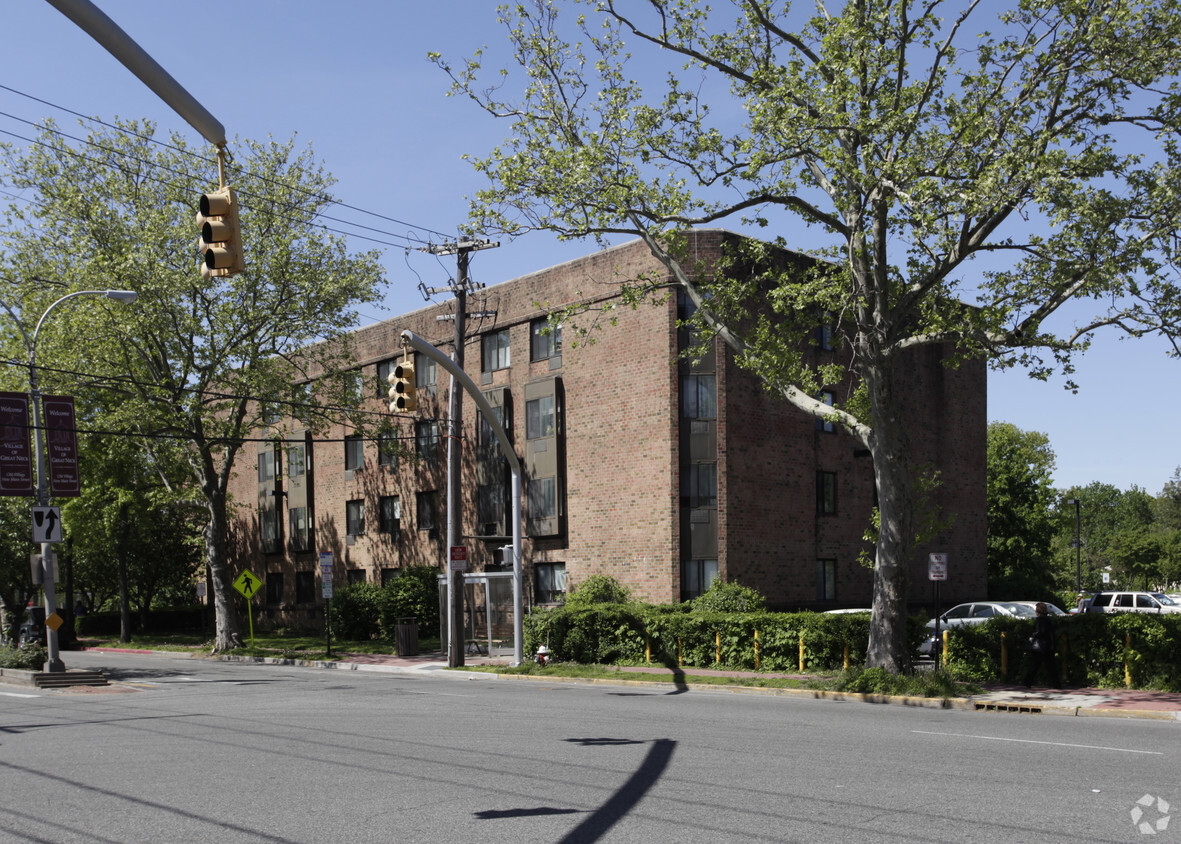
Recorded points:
(406, 636)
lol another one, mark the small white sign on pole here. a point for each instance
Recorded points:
(937, 567)
(326, 572)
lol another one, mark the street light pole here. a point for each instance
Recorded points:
(1078, 547)
(54, 663)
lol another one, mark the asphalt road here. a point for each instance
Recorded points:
(182, 750)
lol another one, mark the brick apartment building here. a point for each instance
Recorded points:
(658, 472)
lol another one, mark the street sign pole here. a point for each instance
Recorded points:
(326, 563)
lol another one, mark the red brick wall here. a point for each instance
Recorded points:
(620, 385)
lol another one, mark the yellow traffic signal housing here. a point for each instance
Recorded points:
(404, 392)
(221, 236)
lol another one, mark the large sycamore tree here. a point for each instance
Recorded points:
(911, 137)
(207, 363)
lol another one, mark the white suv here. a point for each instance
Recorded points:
(1157, 602)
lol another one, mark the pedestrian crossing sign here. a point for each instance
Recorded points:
(248, 584)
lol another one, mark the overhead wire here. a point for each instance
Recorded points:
(183, 151)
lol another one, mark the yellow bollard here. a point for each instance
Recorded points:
(1128, 661)
(846, 664)
(647, 649)
(679, 661)
(1004, 657)
(802, 664)
(756, 650)
(945, 641)
(717, 648)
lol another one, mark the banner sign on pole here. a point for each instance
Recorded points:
(16, 458)
(62, 446)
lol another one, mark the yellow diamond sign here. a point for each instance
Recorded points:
(248, 584)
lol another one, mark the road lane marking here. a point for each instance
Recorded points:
(16, 694)
(1051, 743)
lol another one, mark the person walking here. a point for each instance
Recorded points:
(1041, 648)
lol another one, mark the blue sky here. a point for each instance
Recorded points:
(351, 79)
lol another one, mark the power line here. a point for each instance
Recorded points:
(189, 175)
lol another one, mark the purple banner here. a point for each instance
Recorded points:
(16, 458)
(61, 446)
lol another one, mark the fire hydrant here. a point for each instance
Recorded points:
(542, 655)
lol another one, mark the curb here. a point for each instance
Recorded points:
(1022, 707)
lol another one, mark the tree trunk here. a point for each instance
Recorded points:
(227, 635)
(888, 446)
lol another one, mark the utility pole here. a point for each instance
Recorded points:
(460, 287)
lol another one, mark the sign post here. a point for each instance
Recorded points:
(326, 582)
(248, 585)
(937, 573)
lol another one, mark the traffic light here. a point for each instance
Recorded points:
(221, 237)
(403, 392)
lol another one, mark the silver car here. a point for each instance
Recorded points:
(976, 612)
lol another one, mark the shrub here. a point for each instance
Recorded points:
(729, 597)
(598, 589)
(413, 594)
(28, 658)
(355, 611)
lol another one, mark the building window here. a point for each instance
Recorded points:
(298, 534)
(699, 397)
(543, 498)
(699, 485)
(826, 580)
(826, 493)
(826, 425)
(551, 582)
(355, 576)
(387, 449)
(696, 577)
(305, 587)
(425, 376)
(266, 465)
(426, 441)
(825, 332)
(489, 507)
(384, 368)
(390, 515)
(354, 517)
(268, 529)
(545, 340)
(496, 351)
(274, 587)
(427, 513)
(539, 418)
(354, 452)
(296, 461)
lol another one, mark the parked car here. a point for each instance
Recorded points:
(32, 630)
(976, 612)
(1157, 602)
(1050, 608)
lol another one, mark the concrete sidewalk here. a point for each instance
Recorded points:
(1118, 703)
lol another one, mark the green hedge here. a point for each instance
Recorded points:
(363, 611)
(673, 635)
(1094, 649)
